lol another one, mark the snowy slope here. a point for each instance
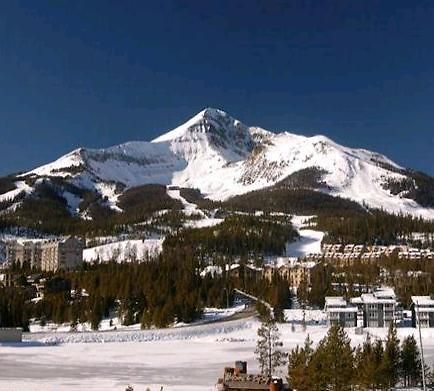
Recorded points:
(123, 251)
(222, 157)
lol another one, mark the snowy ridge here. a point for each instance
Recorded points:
(222, 157)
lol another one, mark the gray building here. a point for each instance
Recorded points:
(422, 310)
(339, 312)
(379, 308)
(11, 334)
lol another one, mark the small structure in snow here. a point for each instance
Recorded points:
(11, 334)
(237, 379)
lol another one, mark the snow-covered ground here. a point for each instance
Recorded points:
(192, 209)
(187, 358)
(309, 241)
(124, 250)
(20, 188)
(114, 324)
(189, 208)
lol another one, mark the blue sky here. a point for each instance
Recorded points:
(97, 73)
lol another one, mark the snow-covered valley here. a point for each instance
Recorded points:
(185, 359)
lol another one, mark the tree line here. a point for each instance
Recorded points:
(375, 365)
(237, 235)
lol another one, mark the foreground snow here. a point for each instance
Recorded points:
(187, 358)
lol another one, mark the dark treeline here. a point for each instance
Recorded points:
(376, 227)
(237, 235)
(344, 221)
(302, 201)
(156, 292)
(47, 211)
(376, 365)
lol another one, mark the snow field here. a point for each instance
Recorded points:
(188, 358)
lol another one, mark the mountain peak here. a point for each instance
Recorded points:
(210, 112)
(214, 128)
(222, 157)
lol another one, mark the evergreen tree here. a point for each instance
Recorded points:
(366, 365)
(298, 366)
(377, 360)
(332, 363)
(392, 357)
(268, 352)
(411, 367)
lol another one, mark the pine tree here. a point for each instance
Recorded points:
(377, 360)
(332, 362)
(268, 354)
(411, 367)
(366, 365)
(392, 357)
(298, 366)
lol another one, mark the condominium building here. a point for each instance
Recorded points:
(379, 308)
(422, 311)
(27, 252)
(47, 255)
(61, 254)
(292, 270)
(339, 312)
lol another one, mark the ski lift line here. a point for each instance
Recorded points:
(253, 298)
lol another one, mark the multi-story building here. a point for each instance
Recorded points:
(339, 312)
(47, 255)
(23, 253)
(379, 308)
(422, 311)
(292, 270)
(61, 254)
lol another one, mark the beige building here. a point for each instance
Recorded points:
(290, 269)
(61, 254)
(47, 255)
(24, 253)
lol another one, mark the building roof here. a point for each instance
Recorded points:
(335, 301)
(384, 292)
(338, 304)
(343, 309)
(422, 301)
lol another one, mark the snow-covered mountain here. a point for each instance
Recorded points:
(222, 157)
